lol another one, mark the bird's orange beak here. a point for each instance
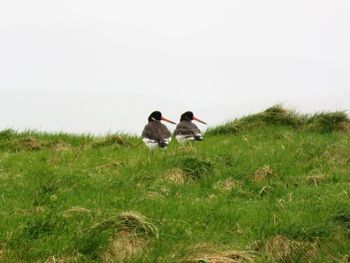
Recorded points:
(196, 119)
(165, 119)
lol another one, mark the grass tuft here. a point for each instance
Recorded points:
(131, 237)
(113, 139)
(228, 185)
(7, 134)
(343, 218)
(26, 144)
(329, 121)
(61, 146)
(282, 249)
(279, 116)
(230, 127)
(275, 115)
(136, 223)
(263, 173)
(205, 253)
(316, 179)
(345, 259)
(176, 175)
(53, 259)
(118, 238)
(196, 168)
(2, 254)
(124, 246)
(76, 210)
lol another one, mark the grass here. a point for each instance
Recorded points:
(277, 115)
(270, 187)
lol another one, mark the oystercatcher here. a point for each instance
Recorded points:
(186, 130)
(155, 134)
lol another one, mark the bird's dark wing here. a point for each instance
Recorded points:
(156, 131)
(188, 129)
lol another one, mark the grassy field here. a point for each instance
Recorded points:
(270, 187)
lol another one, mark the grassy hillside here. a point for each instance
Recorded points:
(270, 187)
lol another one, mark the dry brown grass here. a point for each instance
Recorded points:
(210, 254)
(228, 185)
(124, 246)
(329, 121)
(315, 179)
(263, 173)
(345, 126)
(71, 259)
(61, 146)
(39, 209)
(336, 155)
(2, 254)
(264, 190)
(112, 139)
(136, 223)
(176, 175)
(256, 245)
(110, 164)
(282, 249)
(155, 195)
(131, 238)
(76, 210)
(53, 259)
(28, 144)
(345, 259)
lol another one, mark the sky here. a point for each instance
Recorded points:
(103, 66)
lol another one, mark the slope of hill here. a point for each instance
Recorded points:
(270, 187)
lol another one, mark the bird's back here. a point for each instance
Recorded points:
(187, 129)
(156, 133)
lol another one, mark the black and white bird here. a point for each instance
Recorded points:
(186, 130)
(156, 134)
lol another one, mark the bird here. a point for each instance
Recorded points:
(156, 134)
(186, 130)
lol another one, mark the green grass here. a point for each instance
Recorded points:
(273, 187)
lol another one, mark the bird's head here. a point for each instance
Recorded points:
(157, 116)
(188, 116)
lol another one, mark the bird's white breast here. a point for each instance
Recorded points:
(152, 144)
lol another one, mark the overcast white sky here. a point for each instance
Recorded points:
(99, 66)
